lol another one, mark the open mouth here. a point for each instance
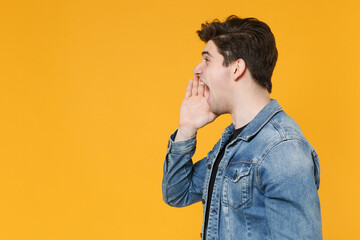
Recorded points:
(203, 83)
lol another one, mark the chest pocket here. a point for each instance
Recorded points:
(237, 185)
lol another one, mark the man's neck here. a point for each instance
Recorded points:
(246, 110)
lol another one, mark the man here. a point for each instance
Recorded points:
(260, 180)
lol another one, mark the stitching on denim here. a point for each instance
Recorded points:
(278, 128)
(275, 111)
(245, 173)
(248, 187)
(270, 147)
(182, 151)
(247, 224)
(266, 218)
(317, 166)
(266, 152)
(165, 186)
(243, 161)
(258, 178)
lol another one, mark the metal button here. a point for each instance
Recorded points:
(209, 166)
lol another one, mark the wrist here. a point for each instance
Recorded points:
(184, 134)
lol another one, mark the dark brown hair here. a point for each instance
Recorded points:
(244, 38)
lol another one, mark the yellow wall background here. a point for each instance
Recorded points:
(90, 92)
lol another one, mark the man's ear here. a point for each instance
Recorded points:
(238, 69)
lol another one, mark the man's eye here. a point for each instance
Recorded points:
(206, 59)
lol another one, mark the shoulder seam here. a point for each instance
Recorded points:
(278, 128)
(266, 152)
(286, 139)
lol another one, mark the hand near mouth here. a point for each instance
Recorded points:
(195, 111)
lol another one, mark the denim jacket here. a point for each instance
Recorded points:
(266, 185)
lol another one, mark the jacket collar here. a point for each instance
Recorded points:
(258, 122)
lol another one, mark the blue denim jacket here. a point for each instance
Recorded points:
(266, 184)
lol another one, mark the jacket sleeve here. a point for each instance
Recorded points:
(289, 176)
(182, 181)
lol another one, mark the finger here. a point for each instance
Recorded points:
(201, 88)
(206, 92)
(195, 85)
(188, 88)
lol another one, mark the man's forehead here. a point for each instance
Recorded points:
(210, 49)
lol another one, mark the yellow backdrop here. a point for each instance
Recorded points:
(90, 92)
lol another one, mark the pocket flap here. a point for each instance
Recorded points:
(235, 172)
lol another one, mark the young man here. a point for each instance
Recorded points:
(260, 180)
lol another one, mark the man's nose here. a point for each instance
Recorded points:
(198, 69)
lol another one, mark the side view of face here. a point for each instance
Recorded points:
(216, 77)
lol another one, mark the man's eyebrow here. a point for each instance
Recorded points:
(207, 53)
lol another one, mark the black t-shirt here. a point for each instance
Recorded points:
(213, 174)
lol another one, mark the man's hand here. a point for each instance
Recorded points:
(194, 111)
